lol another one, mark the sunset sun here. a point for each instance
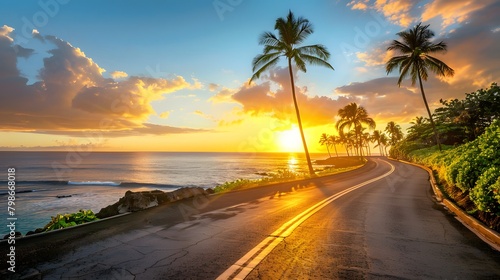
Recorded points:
(289, 140)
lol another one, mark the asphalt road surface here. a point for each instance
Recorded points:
(378, 222)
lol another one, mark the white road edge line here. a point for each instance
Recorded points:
(250, 260)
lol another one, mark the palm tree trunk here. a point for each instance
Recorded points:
(335, 147)
(360, 144)
(347, 149)
(328, 150)
(309, 164)
(436, 135)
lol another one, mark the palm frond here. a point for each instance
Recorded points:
(263, 59)
(439, 67)
(315, 50)
(299, 62)
(265, 67)
(268, 38)
(316, 61)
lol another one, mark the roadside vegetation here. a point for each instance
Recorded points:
(61, 221)
(282, 176)
(468, 168)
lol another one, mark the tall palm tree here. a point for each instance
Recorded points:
(395, 132)
(292, 32)
(334, 140)
(325, 140)
(355, 116)
(415, 60)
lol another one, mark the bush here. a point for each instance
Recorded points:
(473, 167)
(485, 193)
(69, 220)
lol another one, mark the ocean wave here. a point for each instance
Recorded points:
(17, 192)
(93, 183)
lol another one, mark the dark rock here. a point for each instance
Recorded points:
(17, 234)
(38, 230)
(136, 201)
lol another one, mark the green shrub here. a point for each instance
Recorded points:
(69, 220)
(485, 194)
(473, 167)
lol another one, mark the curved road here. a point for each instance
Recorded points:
(380, 221)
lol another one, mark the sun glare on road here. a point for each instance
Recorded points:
(289, 140)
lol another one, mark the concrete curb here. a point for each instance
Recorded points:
(486, 234)
(24, 237)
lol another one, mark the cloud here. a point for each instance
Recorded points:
(451, 12)
(375, 57)
(472, 48)
(5, 32)
(118, 74)
(384, 100)
(223, 96)
(165, 115)
(396, 11)
(143, 129)
(358, 5)
(213, 87)
(72, 95)
(262, 100)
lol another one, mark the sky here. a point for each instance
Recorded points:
(174, 75)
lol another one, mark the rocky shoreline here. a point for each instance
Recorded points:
(137, 201)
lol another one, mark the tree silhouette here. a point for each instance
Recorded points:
(354, 116)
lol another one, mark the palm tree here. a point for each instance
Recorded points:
(334, 140)
(383, 141)
(415, 60)
(354, 115)
(292, 32)
(343, 138)
(376, 139)
(325, 140)
(395, 132)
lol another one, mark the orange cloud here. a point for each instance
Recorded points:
(397, 11)
(452, 12)
(72, 95)
(358, 5)
(375, 57)
(261, 100)
(118, 74)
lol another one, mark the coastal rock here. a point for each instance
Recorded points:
(17, 234)
(136, 201)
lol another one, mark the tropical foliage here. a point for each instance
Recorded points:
(473, 167)
(351, 126)
(69, 220)
(459, 121)
(415, 60)
(354, 116)
(292, 32)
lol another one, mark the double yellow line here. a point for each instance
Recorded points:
(243, 267)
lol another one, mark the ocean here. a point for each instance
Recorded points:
(97, 179)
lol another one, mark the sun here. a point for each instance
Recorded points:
(289, 140)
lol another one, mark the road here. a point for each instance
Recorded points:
(378, 222)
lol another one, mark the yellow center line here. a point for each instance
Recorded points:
(241, 268)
